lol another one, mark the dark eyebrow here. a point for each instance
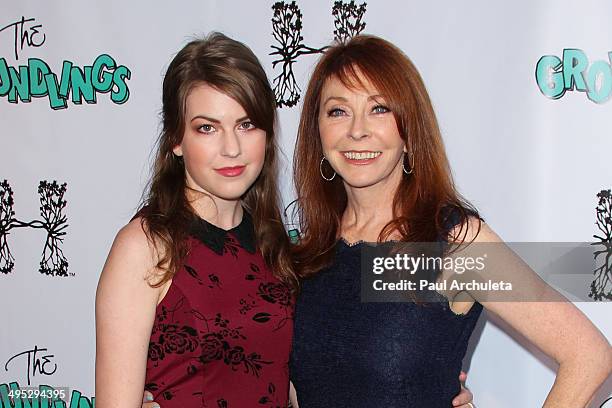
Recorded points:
(205, 118)
(242, 119)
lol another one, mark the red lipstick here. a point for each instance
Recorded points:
(231, 171)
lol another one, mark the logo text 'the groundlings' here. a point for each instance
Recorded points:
(37, 80)
(555, 75)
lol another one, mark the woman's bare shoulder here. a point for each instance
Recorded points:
(473, 229)
(134, 250)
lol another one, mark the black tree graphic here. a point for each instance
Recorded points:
(6, 224)
(287, 31)
(601, 287)
(53, 220)
(348, 20)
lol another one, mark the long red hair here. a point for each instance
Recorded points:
(422, 200)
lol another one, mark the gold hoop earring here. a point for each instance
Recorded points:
(321, 171)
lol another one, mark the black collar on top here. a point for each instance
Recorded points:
(214, 237)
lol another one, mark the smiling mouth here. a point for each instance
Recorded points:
(361, 155)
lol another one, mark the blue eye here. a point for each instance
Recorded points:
(206, 128)
(380, 109)
(335, 112)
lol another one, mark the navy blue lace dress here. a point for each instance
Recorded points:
(347, 353)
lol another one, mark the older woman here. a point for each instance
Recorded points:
(370, 166)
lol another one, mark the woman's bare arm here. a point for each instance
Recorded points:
(557, 327)
(293, 396)
(125, 311)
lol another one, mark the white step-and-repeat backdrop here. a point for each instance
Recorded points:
(521, 89)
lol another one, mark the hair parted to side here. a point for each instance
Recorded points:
(423, 198)
(232, 68)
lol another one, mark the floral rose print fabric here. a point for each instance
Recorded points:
(222, 333)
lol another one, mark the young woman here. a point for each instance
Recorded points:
(195, 302)
(370, 167)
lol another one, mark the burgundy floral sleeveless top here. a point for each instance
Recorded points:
(222, 334)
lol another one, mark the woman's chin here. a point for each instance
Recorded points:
(365, 179)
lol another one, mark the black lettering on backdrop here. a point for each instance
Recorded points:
(25, 34)
(36, 363)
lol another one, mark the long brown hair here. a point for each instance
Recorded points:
(232, 68)
(422, 200)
